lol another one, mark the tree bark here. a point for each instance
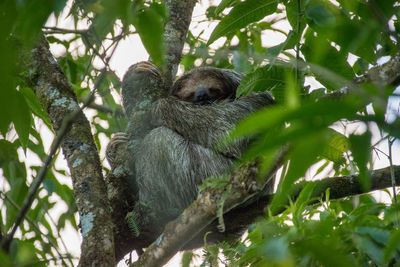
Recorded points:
(180, 15)
(59, 101)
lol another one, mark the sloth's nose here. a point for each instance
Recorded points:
(202, 97)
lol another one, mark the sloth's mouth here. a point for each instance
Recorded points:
(204, 102)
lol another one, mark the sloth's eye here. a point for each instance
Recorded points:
(190, 97)
(214, 91)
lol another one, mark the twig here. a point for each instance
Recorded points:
(381, 17)
(37, 228)
(57, 232)
(299, 15)
(56, 30)
(390, 143)
(37, 181)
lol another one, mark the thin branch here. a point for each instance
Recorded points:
(380, 140)
(37, 181)
(56, 30)
(58, 231)
(383, 20)
(38, 231)
(390, 143)
(299, 16)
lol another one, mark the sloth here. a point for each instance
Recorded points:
(207, 85)
(173, 140)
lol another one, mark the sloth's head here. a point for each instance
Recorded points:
(207, 85)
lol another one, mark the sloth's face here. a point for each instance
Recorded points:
(202, 87)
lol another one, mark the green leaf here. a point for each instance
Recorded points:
(321, 113)
(149, 25)
(8, 151)
(275, 249)
(302, 201)
(187, 258)
(336, 146)
(361, 148)
(357, 30)
(49, 185)
(360, 66)
(32, 15)
(21, 118)
(318, 50)
(35, 106)
(326, 250)
(224, 4)
(5, 259)
(392, 245)
(319, 14)
(380, 236)
(302, 156)
(290, 42)
(24, 253)
(367, 246)
(106, 13)
(241, 62)
(5, 111)
(263, 79)
(242, 15)
(295, 15)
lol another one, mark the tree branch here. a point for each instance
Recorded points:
(180, 15)
(203, 211)
(58, 99)
(386, 74)
(36, 228)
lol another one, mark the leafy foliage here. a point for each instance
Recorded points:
(326, 45)
(303, 119)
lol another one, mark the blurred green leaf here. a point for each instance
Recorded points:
(275, 249)
(320, 52)
(302, 155)
(319, 14)
(392, 246)
(149, 25)
(225, 4)
(242, 15)
(6, 110)
(35, 106)
(49, 186)
(23, 254)
(320, 114)
(360, 148)
(263, 79)
(22, 118)
(187, 258)
(367, 246)
(290, 42)
(336, 146)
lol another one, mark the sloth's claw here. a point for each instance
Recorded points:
(111, 150)
(147, 66)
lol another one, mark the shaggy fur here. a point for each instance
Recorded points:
(172, 142)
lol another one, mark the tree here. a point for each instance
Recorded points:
(336, 128)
